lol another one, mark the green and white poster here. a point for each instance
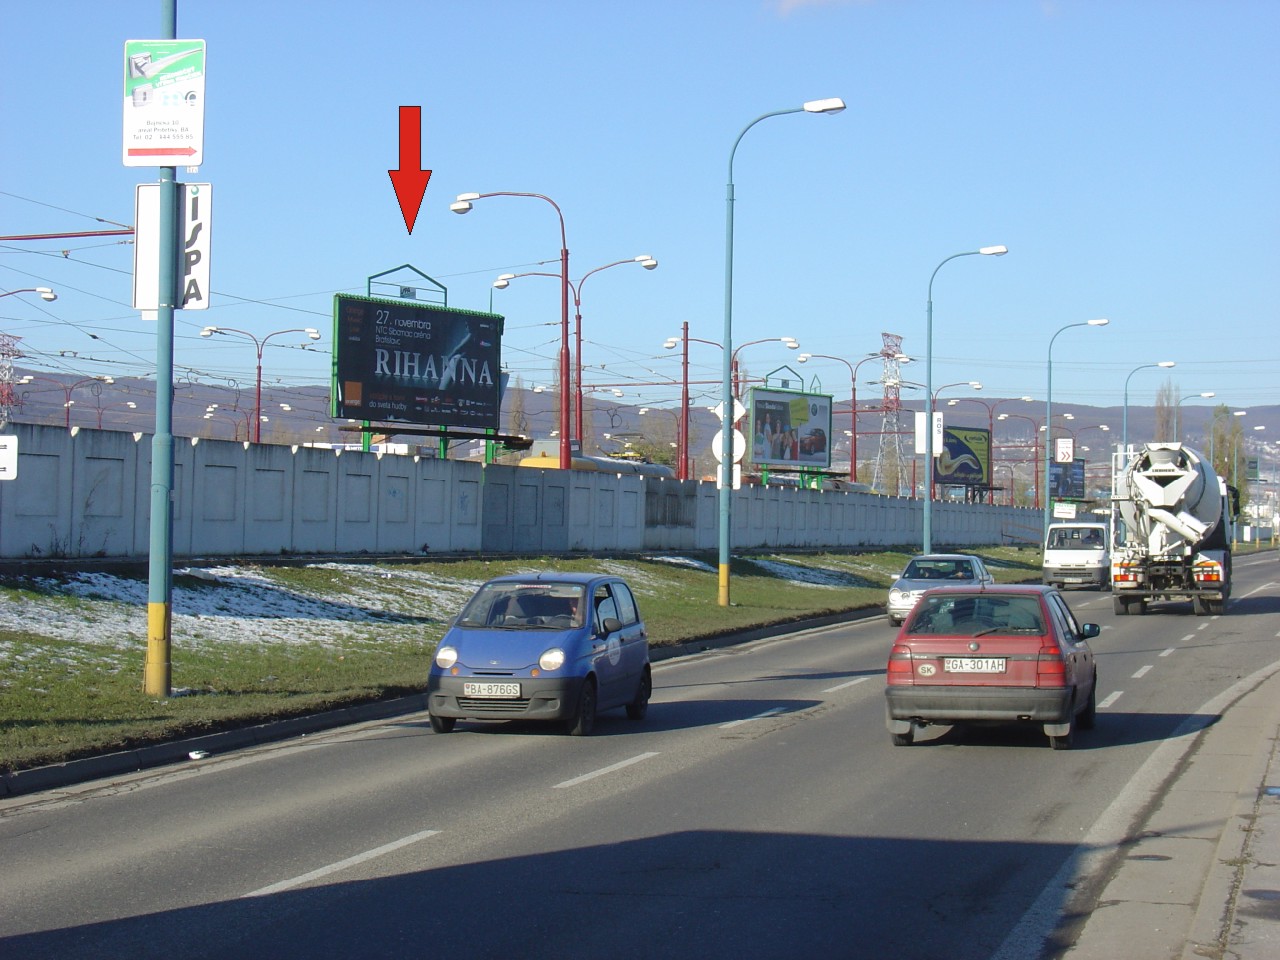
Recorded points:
(163, 103)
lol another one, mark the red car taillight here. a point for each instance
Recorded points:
(899, 664)
(1051, 670)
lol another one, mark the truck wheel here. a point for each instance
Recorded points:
(1120, 606)
(1215, 607)
(903, 739)
(1200, 606)
(1141, 606)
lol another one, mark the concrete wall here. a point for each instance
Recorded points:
(87, 493)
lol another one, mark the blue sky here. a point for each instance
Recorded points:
(1126, 152)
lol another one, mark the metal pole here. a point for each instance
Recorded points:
(257, 399)
(683, 473)
(158, 672)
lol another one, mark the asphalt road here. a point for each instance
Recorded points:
(759, 811)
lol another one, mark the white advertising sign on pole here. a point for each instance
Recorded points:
(194, 227)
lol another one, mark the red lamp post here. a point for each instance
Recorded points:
(682, 473)
(68, 389)
(463, 205)
(991, 432)
(504, 281)
(259, 346)
(1035, 445)
(853, 402)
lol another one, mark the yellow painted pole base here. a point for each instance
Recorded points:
(724, 585)
(158, 675)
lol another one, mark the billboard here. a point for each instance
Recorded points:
(789, 429)
(964, 457)
(1066, 480)
(421, 363)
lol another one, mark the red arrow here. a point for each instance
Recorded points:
(409, 179)
(161, 151)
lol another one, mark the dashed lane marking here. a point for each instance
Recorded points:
(603, 770)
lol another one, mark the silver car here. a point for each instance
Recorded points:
(933, 570)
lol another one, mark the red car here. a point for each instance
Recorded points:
(994, 654)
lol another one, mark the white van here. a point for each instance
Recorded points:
(1076, 555)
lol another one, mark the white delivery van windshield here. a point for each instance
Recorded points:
(1076, 554)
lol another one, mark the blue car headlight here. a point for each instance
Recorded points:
(552, 659)
(446, 657)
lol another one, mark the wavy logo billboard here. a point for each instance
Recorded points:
(416, 363)
(965, 457)
(790, 429)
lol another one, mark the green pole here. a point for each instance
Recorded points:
(158, 673)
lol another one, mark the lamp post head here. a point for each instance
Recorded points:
(829, 105)
(208, 331)
(671, 343)
(803, 357)
(46, 294)
(999, 250)
(1098, 323)
(463, 203)
(312, 333)
(790, 344)
(646, 261)
(976, 384)
(1167, 364)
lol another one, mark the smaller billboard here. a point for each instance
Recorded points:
(964, 457)
(1066, 481)
(790, 429)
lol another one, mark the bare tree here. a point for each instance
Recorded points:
(1167, 411)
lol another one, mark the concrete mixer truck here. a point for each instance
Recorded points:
(1172, 527)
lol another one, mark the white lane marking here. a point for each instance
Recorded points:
(342, 864)
(1205, 626)
(1169, 651)
(759, 716)
(1189, 636)
(842, 686)
(1106, 838)
(603, 770)
(1111, 698)
(1142, 671)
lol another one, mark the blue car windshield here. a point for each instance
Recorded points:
(521, 606)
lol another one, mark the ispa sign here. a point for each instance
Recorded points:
(416, 363)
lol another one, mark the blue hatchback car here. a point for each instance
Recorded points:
(548, 646)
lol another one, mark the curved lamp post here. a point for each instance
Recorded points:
(853, 402)
(504, 281)
(670, 344)
(1048, 417)
(1206, 395)
(996, 251)
(463, 205)
(829, 105)
(259, 345)
(46, 293)
(68, 389)
(1124, 424)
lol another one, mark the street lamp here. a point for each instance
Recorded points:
(791, 343)
(1035, 447)
(504, 281)
(974, 384)
(1205, 395)
(830, 105)
(991, 431)
(1124, 426)
(1048, 415)
(259, 346)
(996, 251)
(46, 293)
(67, 389)
(463, 205)
(853, 402)
(682, 473)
